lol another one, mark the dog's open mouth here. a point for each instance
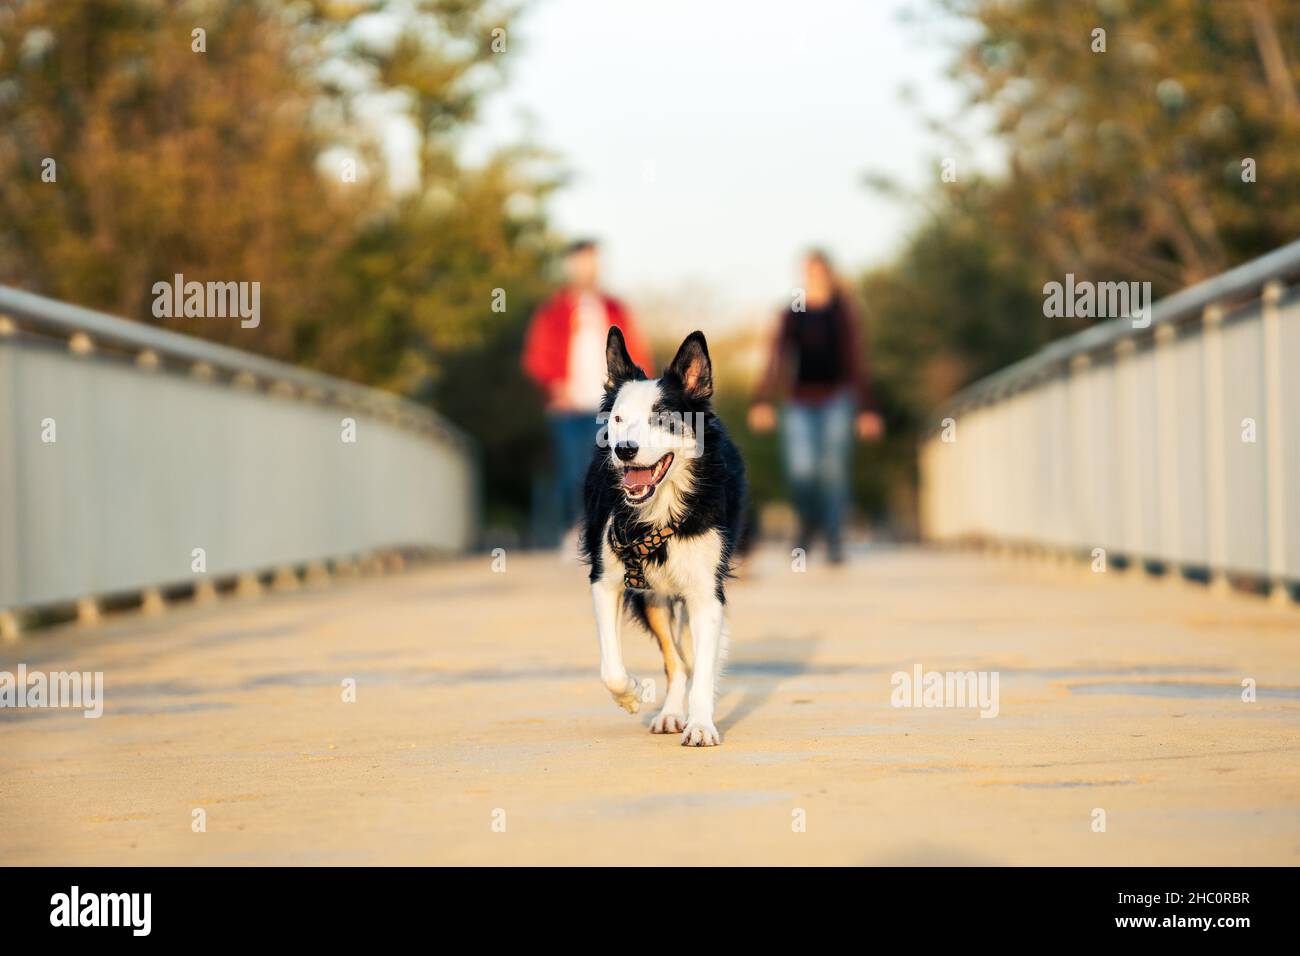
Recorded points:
(639, 483)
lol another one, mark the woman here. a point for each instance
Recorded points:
(818, 364)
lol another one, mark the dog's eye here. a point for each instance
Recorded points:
(618, 419)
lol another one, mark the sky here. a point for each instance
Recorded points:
(710, 141)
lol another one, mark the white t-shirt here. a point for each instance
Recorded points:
(584, 385)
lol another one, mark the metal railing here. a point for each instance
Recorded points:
(1174, 445)
(135, 458)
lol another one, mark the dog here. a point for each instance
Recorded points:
(664, 510)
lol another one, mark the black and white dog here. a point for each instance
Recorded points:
(664, 512)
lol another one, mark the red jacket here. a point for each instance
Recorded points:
(546, 347)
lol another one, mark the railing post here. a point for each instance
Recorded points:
(89, 613)
(1216, 528)
(1081, 452)
(1166, 369)
(10, 626)
(1275, 523)
(1126, 454)
(152, 601)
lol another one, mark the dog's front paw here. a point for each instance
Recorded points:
(625, 691)
(668, 722)
(701, 733)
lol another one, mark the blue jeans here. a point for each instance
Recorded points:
(573, 435)
(816, 441)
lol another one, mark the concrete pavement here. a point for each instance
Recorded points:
(481, 733)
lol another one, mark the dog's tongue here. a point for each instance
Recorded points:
(634, 477)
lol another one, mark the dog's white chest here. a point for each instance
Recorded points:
(689, 565)
(667, 577)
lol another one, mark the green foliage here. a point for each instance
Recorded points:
(1121, 166)
(1131, 157)
(227, 164)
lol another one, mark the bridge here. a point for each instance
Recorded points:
(480, 732)
(304, 661)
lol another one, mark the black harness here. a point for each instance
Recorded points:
(634, 552)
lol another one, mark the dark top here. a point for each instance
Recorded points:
(817, 354)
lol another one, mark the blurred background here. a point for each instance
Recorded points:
(951, 155)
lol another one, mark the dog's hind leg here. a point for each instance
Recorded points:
(672, 716)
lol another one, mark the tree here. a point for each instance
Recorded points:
(1122, 165)
(246, 141)
(1134, 153)
(216, 138)
(167, 160)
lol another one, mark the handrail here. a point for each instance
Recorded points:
(1244, 280)
(65, 319)
(1178, 455)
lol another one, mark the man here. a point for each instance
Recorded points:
(564, 353)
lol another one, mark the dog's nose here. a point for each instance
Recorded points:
(626, 450)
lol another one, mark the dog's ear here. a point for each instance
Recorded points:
(618, 363)
(693, 367)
